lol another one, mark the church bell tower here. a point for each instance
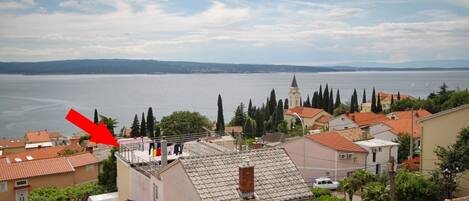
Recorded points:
(295, 95)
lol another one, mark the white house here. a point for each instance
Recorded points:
(383, 131)
(379, 152)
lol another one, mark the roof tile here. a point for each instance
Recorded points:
(335, 141)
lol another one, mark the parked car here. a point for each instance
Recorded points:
(324, 182)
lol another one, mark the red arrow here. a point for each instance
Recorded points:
(99, 133)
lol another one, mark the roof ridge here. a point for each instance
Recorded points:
(229, 153)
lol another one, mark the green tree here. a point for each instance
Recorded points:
(314, 102)
(373, 101)
(96, 121)
(135, 128)
(341, 109)
(452, 161)
(259, 117)
(364, 96)
(183, 122)
(328, 198)
(349, 186)
(143, 126)
(240, 116)
(285, 106)
(74, 193)
(362, 177)
(404, 147)
(109, 122)
(307, 103)
(220, 119)
(150, 123)
(318, 192)
(320, 99)
(251, 110)
(398, 95)
(379, 107)
(330, 108)
(406, 104)
(392, 99)
(249, 128)
(325, 98)
(273, 102)
(279, 112)
(415, 187)
(375, 191)
(337, 99)
(107, 177)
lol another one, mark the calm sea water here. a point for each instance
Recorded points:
(41, 102)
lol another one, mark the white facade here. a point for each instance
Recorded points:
(341, 122)
(379, 152)
(295, 97)
(40, 144)
(383, 132)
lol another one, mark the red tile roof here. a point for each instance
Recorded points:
(367, 118)
(421, 113)
(324, 119)
(37, 136)
(42, 153)
(86, 158)
(305, 112)
(404, 126)
(336, 141)
(387, 97)
(35, 168)
(233, 129)
(55, 134)
(11, 143)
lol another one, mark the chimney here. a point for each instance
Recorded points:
(74, 141)
(164, 152)
(89, 149)
(246, 180)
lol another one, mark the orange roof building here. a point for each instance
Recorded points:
(336, 141)
(37, 136)
(420, 113)
(11, 145)
(313, 118)
(21, 178)
(42, 153)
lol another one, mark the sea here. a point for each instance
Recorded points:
(38, 102)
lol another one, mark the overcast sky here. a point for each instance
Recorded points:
(277, 32)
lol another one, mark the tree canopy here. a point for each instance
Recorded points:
(183, 122)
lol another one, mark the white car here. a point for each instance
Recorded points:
(324, 182)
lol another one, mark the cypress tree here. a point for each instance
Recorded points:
(301, 102)
(96, 120)
(392, 99)
(331, 103)
(314, 102)
(379, 107)
(250, 110)
(250, 128)
(373, 101)
(356, 109)
(398, 95)
(325, 98)
(240, 117)
(320, 97)
(364, 96)
(150, 123)
(143, 126)
(260, 129)
(285, 105)
(135, 132)
(337, 99)
(267, 108)
(352, 104)
(220, 119)
(280, 111)
(307, 103)
(273, 101)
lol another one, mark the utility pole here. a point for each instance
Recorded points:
(411, 149)
(392, 181)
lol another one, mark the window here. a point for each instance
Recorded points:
(3, 186)
(378, 168)
(374, 157)
(379, 149)
(89, 167)
(20, 183)
(349, 174)
(155, 192)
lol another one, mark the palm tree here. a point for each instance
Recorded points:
(361, 178)
(376, 191)
(109, 122)
(349, 185)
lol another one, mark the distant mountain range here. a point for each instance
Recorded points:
(125, 66)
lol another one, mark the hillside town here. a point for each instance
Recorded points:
(388, 147)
